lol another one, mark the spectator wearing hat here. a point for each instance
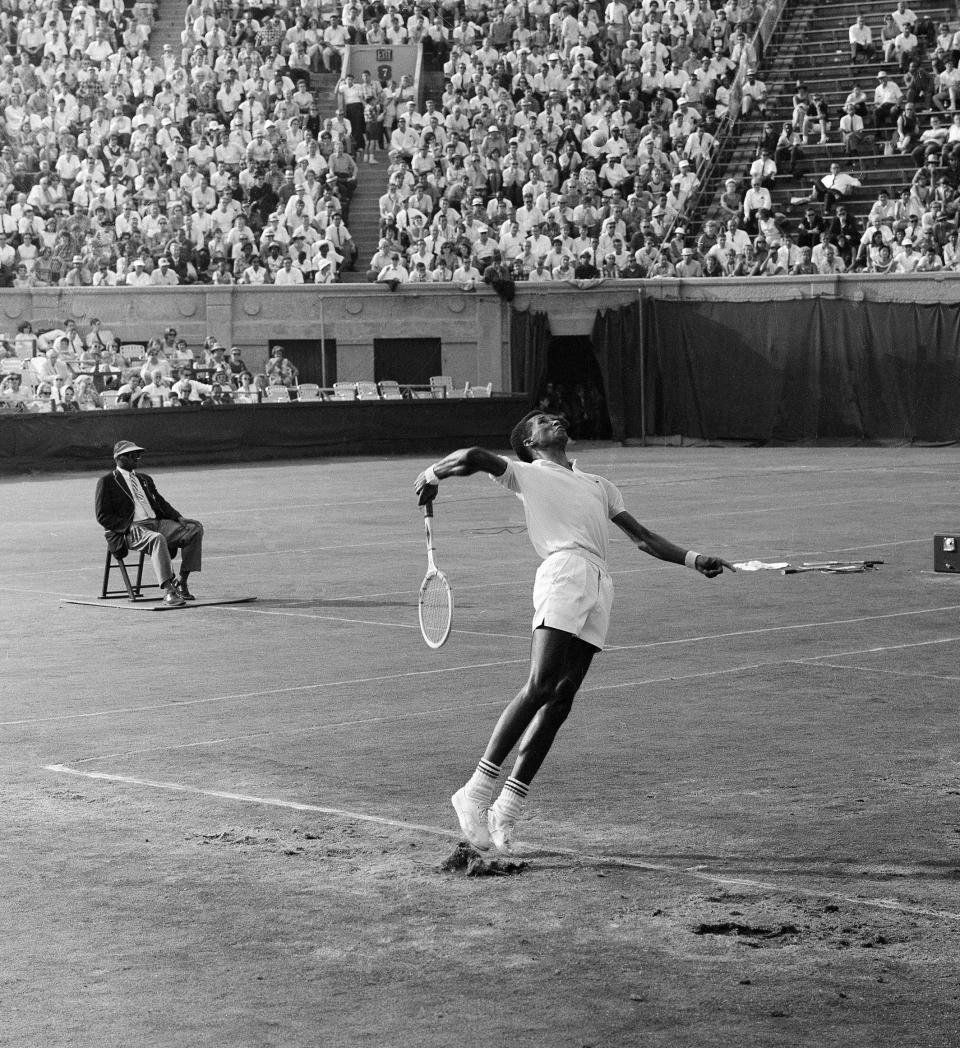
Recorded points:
(76, 275)
(163, 275)
(754, 95)
(135, 516)
(689, 267)
(887, 99)
(585, 269)
(138, 276)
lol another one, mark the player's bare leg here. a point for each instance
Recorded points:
(558, 664)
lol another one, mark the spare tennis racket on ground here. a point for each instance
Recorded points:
(833, 567)
(436, 598)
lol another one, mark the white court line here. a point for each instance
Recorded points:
(887, 647)
(615, 540)
(802, 661)
(794, 626)
(673, 678)
(500, 663)
(892, 673)
(607, 860)
(239, 696)
(373, 622)
(394, 718)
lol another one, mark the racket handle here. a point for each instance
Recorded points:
(428, 509)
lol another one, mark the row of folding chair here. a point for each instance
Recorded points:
(311, 391)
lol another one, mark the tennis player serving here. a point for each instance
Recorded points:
(566, 512)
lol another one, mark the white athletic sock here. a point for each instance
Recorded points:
(511, 799)
(483, 782)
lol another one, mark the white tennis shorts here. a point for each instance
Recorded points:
(573, 594)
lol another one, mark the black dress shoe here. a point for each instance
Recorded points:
(184, 592)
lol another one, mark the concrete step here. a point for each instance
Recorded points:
(167, 28)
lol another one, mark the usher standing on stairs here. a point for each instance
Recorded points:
(350, 98)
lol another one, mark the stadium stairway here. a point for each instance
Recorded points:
(810, 46)
(364, 217)
(372, 184)
(167, 28)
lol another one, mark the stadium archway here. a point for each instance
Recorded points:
(573, 384)
(315, 361)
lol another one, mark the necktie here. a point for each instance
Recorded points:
(140, 496)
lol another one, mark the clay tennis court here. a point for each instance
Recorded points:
(225, 825)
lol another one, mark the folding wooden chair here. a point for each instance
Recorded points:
(390, 390)
(441, 386)
(344, 391)
(367, 391)
(131, 590)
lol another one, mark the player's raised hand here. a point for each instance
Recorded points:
(713, 566)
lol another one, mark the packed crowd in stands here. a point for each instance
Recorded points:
(64, 370)
(565, 145)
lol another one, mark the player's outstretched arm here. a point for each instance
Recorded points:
(663, 549)
(462, 463)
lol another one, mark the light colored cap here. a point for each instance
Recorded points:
(123, 446)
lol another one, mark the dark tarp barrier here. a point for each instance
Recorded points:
(802, 370)
(529, 339)
(616, 345)
(255, 432)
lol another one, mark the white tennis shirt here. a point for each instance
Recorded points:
(565, 509)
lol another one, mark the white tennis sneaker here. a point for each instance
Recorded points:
(473, 819)
(500, 827)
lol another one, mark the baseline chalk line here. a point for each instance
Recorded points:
(437, 831)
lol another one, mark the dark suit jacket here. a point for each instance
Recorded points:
(115, 506)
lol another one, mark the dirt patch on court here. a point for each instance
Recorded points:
(467, 860)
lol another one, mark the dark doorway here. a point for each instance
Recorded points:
(573, 386)
(315, 362)
(409, 361)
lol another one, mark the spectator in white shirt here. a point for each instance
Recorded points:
(903, 16)
(886, 101)
(860, 36)
(765, 169)
(756, 198)
(834, 186)
(906, 47)
(288, 275)
(163, 275)
(394, 273)
(754, 95)
(138, 276)
(851, 130)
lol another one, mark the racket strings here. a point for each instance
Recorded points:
(435, 608)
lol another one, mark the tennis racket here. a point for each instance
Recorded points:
(436, 598)
(834, 567)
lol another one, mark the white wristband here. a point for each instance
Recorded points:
(431, 474)
(690, 559)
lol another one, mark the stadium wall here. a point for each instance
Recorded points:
(819, 358)
(245, 433)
